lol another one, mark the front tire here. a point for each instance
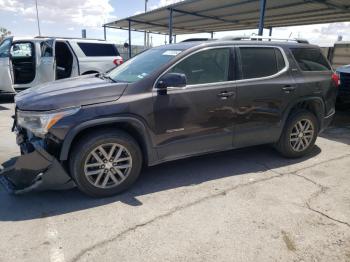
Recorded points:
(299, 134)
(105, 163)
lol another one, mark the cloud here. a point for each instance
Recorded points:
(165, 3)
(160, 4)
(90, 13)
(336, 29)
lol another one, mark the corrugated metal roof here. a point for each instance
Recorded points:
(195, 16)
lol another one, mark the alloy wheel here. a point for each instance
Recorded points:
(108, 165)
(302, 135)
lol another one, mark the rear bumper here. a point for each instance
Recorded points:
(35, 171)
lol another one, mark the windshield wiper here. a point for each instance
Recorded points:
(104, 76)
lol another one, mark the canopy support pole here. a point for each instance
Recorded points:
(270, 31)
(104, 32)
(212, 35)
(170, 26)
(129, 39)
(262, 16)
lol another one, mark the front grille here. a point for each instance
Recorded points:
(344, 82)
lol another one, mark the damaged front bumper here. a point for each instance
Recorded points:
(35, 171)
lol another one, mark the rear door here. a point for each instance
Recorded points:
(6, 78)
(264, 90)
(46, 69)
(314, 76)
(199, 117)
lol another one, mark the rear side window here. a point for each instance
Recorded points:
(260, 61)
(93, 49)
(310, 59)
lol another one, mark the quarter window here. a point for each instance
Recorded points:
(208, 66)
(310, 59)
(91, 49)
(260, 61)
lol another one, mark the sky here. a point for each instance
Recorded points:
(68, 17)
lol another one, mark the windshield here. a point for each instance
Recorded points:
(142, 65)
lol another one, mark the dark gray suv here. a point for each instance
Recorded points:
(170, 102)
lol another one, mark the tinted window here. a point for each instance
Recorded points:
(91, 49)
(310, 59)
(260, 61)
(205, 67)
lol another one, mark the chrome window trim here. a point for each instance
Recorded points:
(316, 71)
(193, 53)
(282, 71)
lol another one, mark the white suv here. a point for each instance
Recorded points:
(26, 62)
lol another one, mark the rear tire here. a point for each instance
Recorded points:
(105, 163)
(299, 134)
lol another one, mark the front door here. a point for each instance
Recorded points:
(6, 79)
(199, 117)
(264, 91)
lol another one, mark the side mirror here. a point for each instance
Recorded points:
(171, 80)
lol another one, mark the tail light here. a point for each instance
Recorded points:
(336, 79)
(118, 61)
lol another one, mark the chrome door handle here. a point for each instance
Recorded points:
(288, 88)
(225, 94)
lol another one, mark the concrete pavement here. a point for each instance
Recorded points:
(243, 205)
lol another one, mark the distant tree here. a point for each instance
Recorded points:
(3, 33)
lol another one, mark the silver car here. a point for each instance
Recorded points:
(26, 62)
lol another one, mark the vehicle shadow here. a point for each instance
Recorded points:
(167, 176)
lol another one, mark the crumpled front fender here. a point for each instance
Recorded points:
(35, 171)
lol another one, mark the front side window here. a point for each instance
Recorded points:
(259, 62)
(21, 50)
(92, 49)
(209, 66)
(310, 59)
(5, 48)
(142, 65)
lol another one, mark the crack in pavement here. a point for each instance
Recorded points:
(322, 188)
(326, 216)
(167, 214)
(223, 192)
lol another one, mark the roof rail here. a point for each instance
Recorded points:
(196, 39)
(257, 37)
(62, 37)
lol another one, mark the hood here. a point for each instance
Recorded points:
(344, 69)
(70, 92)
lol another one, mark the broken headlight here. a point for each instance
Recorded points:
(40, 122)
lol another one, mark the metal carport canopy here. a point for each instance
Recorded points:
(198, 16)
